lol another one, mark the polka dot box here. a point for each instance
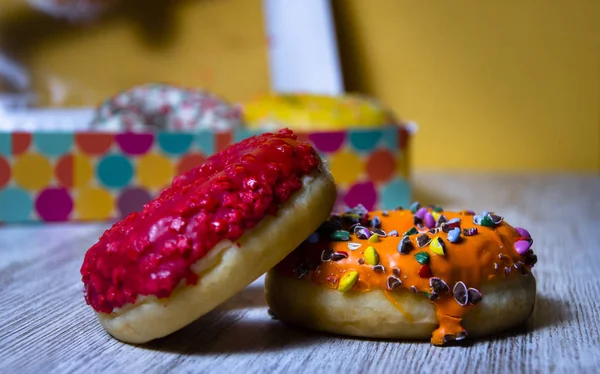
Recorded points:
(65, 176)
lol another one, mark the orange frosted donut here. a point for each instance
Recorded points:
(408, 274)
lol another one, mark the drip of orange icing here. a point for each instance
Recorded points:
(485, 256)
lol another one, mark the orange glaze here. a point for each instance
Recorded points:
(471, 260)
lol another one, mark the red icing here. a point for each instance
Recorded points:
(150, 252)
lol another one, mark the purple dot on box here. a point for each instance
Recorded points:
(132, 200)
(361, 193)
(327, 142)
(54, 204)
(134, 143)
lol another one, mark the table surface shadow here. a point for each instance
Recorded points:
(47, 328)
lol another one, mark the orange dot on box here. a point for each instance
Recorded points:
(94, 144)
(4, 172)
(20, 142)
(380, 165)
(189, 162)
(64, 171)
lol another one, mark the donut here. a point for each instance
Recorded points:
(415, 274)
(313, 112)
(163, 107)
(215, 230)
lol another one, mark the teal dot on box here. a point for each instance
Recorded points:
(242, 134)
(115, 171)
(175, 143)
(53, 144)
(206, 142)
(396, 193)
(390, 137)
(5, 144)
(15, 205)
(365, 140)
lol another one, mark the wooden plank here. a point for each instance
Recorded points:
(46, 326)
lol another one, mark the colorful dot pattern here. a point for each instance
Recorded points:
(101, 176)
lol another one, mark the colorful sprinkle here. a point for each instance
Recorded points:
(414, 207)
(423, 240)
(385, 213)
(313, 238)
(336, 256)
(393, 283)
(354, 246)
(454, 235)
(405, 245)
(421, 213)
(522, 232)
(393, 233)
(522, 246)
(362, 232)
(474, 296)
(340, 235)
(376, 222)
(371, 256)
(470, 232)
(425, 272)
(422, 258)
(374, 238)
(379, 268)
(438, 209)
(437, 246)
(436, 216)
(412, 231)
(348, 281)
(461, 294)
(438, 286)
(429, 220)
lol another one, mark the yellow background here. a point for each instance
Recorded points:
(493, 84)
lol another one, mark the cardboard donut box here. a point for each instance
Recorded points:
(54, 176)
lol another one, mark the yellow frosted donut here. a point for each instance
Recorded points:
(309, 112)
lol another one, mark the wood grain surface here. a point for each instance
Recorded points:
(45, 326)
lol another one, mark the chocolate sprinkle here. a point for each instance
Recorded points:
(385, 213)
(445, 227)
(380, 232)
(361, 261)
(417, 221)
(441, 219)
(326, 255)
(470, 232)
(451, 337)
(336, 256)
(376, 222)
(393, 283)
(474, 296)
(379, 268)
(433, 296)
(423, 240)
(434, 230)
(301, 270)
(414, 289)
(461, 294)
(272, 314)
(396, 271)
(438, 286)
(405, 245)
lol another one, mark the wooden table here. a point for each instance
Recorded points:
(45, 325)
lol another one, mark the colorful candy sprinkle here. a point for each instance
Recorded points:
(412, 231)
(313, 238)
(422, 258)
(348, 281)
(376, 222)
(522, 246)
(340, 235)
(470, 232)
(522, 232)
(425, 272)
(405, 245)
(423, 240)
(454, 235)
(436, 216)
(454, 222)
(374, 238)
(415, 207)
(393, 233)
(461, 294)
(354, 246)
(393, 283)
(474, 296)
(362, 232)
(437, 246)
(438, 209)
(421, 213)
(429, 220)
(487, 222)
(371, 256)
(385, 213)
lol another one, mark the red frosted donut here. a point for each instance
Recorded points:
(212, 232)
